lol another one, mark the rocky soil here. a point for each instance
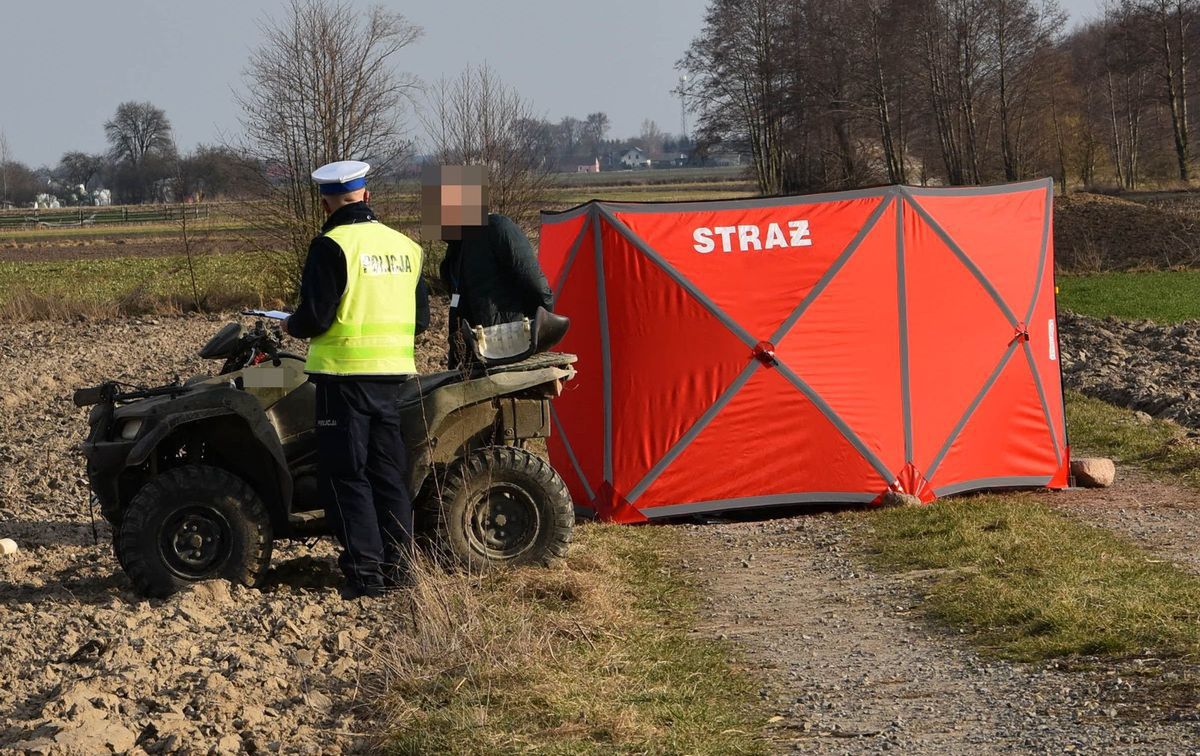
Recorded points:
(1095, 232)
(87, 666)
(1145, 366)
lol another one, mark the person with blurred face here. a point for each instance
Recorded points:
(490, 268)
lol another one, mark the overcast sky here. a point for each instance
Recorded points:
(64, 66)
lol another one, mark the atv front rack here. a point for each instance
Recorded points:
(110, 393)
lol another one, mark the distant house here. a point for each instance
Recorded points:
(634, 157)
(676, 159)
(593, 167)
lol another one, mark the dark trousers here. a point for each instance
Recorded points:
(362, 469)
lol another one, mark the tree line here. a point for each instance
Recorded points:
(828, 94)
(142, 164)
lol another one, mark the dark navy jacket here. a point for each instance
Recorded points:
(497, 276)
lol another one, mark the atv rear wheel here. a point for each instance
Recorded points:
(502, 506)
(194, 523)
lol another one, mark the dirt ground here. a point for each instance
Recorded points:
(852, 667)
(87, 665)
(848, 664)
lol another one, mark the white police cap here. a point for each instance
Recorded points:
(341, 177)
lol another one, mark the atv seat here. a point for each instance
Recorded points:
(419, 386)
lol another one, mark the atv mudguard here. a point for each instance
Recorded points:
(467, 414)
(206, 404)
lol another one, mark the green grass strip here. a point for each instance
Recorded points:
(1029, 583)
(1163, 296)
(105, 281)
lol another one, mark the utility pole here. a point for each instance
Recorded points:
(681, 91)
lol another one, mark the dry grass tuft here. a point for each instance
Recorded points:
(591, 655)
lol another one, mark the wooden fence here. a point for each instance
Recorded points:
(71, 217)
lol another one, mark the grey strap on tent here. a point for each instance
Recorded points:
(902, 304)
(964, 259)
(605, 346)
(1041, 270)
(680, 279)
(562, 434)
(1019, 481)
(738, 204)
(833, 417)
(1042, 396)
(772, 500)
(566, 269)
(834, 269)
(962, 422)
(686, 439)
(975, 191)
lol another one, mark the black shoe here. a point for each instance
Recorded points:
(396, 580)
(352, 591)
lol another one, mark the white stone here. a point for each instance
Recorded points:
(8, 546)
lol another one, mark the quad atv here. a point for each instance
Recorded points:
(199, 478)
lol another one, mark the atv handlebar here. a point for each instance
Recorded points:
(263, 339)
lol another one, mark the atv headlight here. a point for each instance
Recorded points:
(130, 429)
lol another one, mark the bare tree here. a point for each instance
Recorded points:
(595, 127)
(140, 143)
(737, 82)
(1023, 34)
(136, 130)
(321, 87)
(476, 119)
(1127, 77)
(651, 137)
(887, 79)
(831, 93)
(80, 168)
(567, 134)
(1172, 41)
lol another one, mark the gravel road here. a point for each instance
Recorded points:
(852, 666)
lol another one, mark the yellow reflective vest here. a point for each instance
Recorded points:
(374, 333)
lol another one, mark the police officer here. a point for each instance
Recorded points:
(362, 304)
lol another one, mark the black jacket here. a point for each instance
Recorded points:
(497, 276)
(324, 279)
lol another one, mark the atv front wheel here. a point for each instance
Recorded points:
(194, 523)
(502, 506)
